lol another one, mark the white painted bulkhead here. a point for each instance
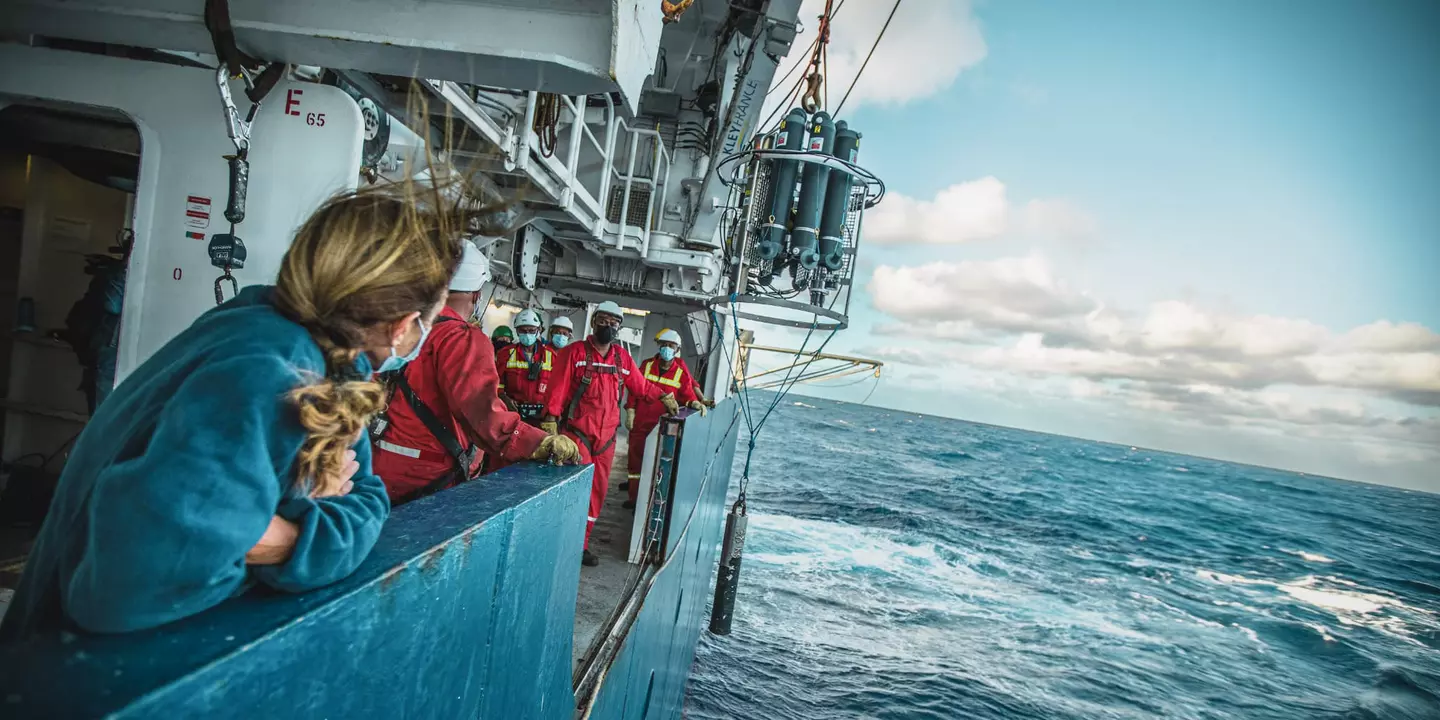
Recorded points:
(305, 147)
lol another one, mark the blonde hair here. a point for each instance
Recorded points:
(375, 256)
(363, 258)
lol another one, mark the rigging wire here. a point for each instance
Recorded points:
(869, 55)
(873, 388)
(808, 50)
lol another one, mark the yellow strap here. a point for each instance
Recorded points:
(518, 363)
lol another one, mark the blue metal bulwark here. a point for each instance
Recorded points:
(465, 609)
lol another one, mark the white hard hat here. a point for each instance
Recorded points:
(668, 335)
(564, 322)
(610, 307)
(474, 270)
(527, 317)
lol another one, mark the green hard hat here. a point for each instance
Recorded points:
(503, 331)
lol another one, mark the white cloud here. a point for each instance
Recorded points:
(925, 48)
(1018, 315)
(1174, 325)
(1012, 295)
(975, 210)
(1385, 336)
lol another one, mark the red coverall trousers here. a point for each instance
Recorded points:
(596, 415)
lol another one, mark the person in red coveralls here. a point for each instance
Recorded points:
(589, 376)
(444, 411)
(671, 373)
(525, 367)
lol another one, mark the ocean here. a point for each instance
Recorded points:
(906, 566)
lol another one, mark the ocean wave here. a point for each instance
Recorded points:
(978, 572)
(1307, 556)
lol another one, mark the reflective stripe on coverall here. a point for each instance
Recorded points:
(455, 377)
(514, 369)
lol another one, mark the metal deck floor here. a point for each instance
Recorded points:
(602, 587)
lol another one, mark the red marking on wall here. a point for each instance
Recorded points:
(292, 100)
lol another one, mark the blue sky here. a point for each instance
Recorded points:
(1232, 187)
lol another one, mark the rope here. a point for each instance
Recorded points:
(547, 119)
(869, 55)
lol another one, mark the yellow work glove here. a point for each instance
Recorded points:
(697, 405)
(629, 418)
(559, 449)
(709, 403)
(550, 427)
(668, 400)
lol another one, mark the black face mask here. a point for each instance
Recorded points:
(605, 334)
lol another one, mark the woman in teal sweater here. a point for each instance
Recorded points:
(236, 453)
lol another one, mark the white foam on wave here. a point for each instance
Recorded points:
(1324, 631)
(1349, 602)
(1254, 637)
(1307, 556)
(822, 546)
(1224, 579)
(803, 405)
(1305, 590)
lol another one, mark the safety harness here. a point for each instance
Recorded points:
(463, 458)
(529, 412)
(591, 370)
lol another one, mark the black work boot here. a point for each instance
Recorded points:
(589, 559)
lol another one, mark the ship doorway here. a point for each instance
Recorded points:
(68, 177)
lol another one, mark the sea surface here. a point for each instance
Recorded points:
(904, 566)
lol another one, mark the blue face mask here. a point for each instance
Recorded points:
(667, 354)
(528, 339)
(395, 362)
(559, 341)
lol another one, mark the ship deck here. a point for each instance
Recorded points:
(603, 586)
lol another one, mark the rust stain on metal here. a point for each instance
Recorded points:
(389, 579)
(431, 559)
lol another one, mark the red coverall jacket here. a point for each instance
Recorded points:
(597, 417)
(678, 380)
(455, 377)
(513, 364)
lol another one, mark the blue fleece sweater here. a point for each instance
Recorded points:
(177, 476)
